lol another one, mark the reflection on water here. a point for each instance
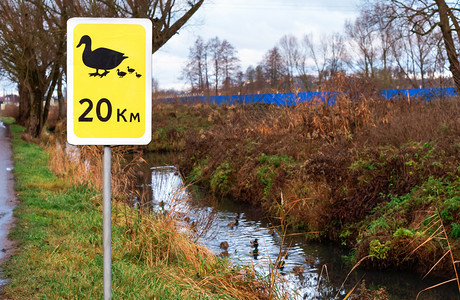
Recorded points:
(168, 191)
(310, 270)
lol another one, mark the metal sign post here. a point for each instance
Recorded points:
(109, 96)
(106, 220)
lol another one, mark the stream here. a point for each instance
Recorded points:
(310, 270)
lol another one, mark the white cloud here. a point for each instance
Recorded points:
(252, 27)
(250, 57)
(167, 68)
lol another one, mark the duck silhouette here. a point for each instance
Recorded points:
(130, 70)
(101, 58)
(121, 73)
(138, 75)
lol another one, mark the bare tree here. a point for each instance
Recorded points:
(274, 69)
(196, 69)
(329, 54)
(290, 53)
(423, 17)
(214, 62)
(415, 56)
(32, 49)
(363, 38)
(230, 64)
(32, 42)
(255, 79)
(250, 78)
(337, 55)
(168, 16)
(215, 57)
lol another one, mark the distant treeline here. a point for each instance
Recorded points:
(403, 44)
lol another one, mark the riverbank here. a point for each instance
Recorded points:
(380, 177)
(59, 238)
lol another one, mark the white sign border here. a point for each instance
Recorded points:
(71, 137)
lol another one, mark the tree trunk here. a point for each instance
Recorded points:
(62, 107)
(444, 24)
(24, 105)
(35, 123)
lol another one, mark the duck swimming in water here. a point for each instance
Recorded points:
(254, 253)
(254, 243)
(223, 246)
(280, 264)
(101, 58)
(298, 269)
(233, 224)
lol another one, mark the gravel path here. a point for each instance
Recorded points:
(8, 199)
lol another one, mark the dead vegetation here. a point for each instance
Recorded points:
(362, 162)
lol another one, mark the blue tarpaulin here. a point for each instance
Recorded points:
(288, 99)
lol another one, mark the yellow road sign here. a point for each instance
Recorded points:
(109, 81)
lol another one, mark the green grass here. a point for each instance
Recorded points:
(7, 120)
(59, 235)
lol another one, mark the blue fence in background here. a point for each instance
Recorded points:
(288, 99)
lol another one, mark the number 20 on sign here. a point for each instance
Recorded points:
(109, 81)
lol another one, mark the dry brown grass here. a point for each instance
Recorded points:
(83, 165)
(158, 241)
(338, 163)
(11, 111)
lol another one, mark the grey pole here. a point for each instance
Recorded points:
(106, 220)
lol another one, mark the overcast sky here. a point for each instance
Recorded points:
(252, 27)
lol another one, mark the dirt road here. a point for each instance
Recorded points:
(7, 196)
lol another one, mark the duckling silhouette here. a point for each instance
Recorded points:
(101, 58)
(121, 73)
(130, 70)
(138, 75)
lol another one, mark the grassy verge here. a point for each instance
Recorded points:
(59, 256)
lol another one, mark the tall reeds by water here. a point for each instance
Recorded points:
(156, 239)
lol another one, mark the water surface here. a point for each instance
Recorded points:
(323, 270)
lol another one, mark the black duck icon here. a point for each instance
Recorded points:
(121, 73)
(101, 58)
